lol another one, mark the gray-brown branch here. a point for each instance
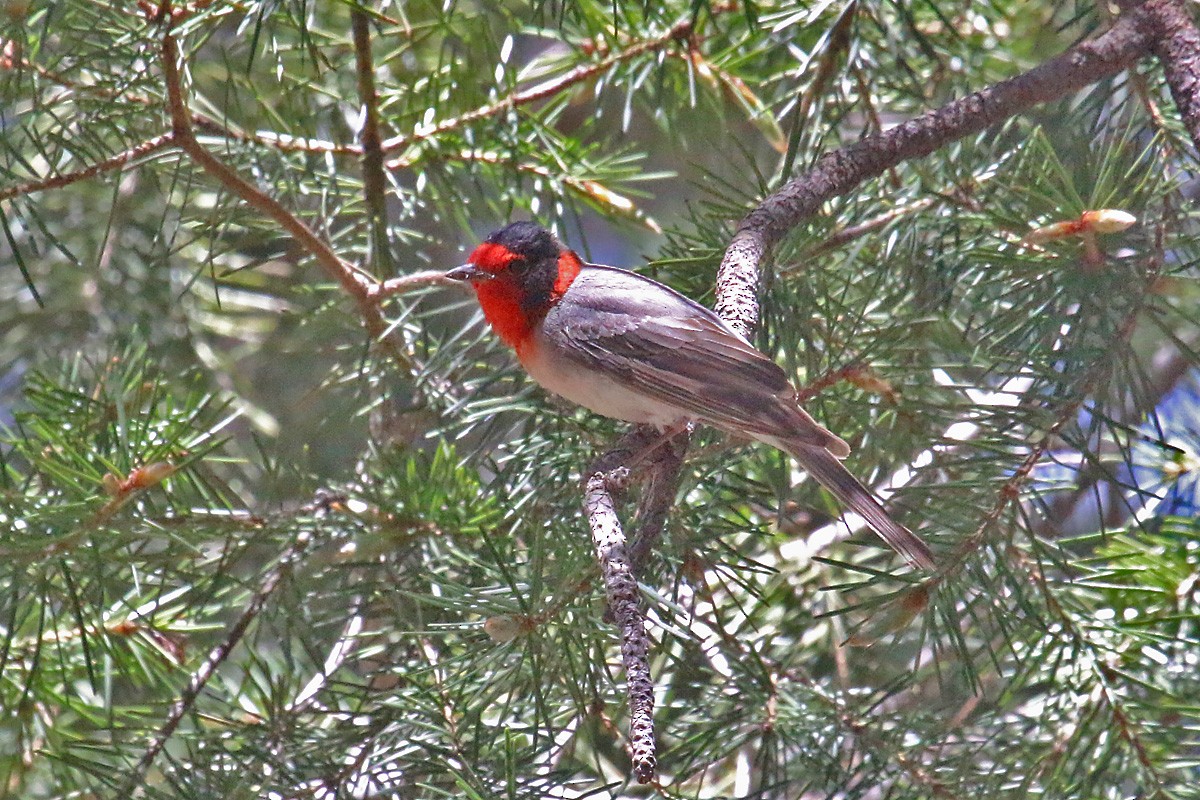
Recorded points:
(624, 602)
(1175, 41)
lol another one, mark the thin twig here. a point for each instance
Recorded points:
(677, 32)
(115, 162)
(284, 142)
(657, 498)
(407, 283)
(213, 660)
(851, 232)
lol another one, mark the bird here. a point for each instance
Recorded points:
(630, 348)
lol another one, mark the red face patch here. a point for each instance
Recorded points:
(492, 257)
(517, 299)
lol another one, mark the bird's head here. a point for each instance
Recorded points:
(519, 272)
(514, 252)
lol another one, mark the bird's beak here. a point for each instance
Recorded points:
(469, 272)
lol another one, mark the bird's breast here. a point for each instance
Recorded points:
(593, 389)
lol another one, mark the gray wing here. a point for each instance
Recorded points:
(656, 341)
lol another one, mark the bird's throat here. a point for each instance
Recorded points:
(501, 301)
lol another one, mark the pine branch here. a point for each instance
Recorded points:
(117, 162)
(353, 283)
(1010, 491)
(838, 172)
(361, 288)
(215, 658)
(680, 31)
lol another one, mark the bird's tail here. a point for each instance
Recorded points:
(829, 472)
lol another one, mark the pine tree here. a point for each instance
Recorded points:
(279, 518)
